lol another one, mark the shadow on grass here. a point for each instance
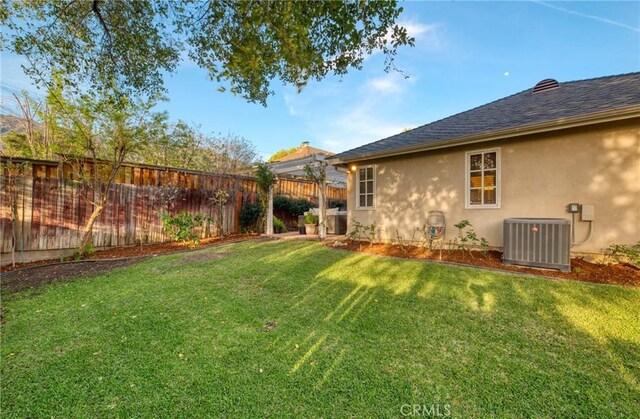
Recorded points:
(544, 343)
(301, 329)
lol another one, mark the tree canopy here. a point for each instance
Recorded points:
(128, 46)
(283, 152)
(65, 126)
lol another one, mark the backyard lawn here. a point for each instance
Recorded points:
(298, 329)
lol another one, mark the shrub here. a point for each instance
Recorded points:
(310, 218)
(338, 203)
(250, 215)
(622, 253)
(291, 206)
(265, 178)
(180, 226)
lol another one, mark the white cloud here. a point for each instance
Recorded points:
(367, 119)
(386, 84)
(588, 16)
(416, 29)
(340, 115)
(354, 115)
(361, 126)
(392, 83)
(427, 36)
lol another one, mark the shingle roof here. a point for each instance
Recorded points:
(571, 99)
(305, 151)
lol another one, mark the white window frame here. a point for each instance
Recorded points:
(358, 207)
(467, 179)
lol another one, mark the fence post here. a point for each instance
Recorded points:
(270, 211)
(321, 207)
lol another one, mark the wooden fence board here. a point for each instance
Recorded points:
(53, 207)
(5, 216)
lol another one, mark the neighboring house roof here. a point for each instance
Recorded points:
(295, 167)
(571, 104)
(304, 151)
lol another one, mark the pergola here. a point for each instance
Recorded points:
(296, 167)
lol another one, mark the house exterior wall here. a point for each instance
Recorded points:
(540, 174)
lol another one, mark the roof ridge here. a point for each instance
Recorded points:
(611, 76)
(500, 113)
(525, 91)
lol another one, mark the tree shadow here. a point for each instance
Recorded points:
(534, 339)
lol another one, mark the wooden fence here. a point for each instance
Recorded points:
(51, 206)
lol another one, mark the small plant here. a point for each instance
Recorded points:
(484, 244)
(371, 231)
(622, 253)
(423, 236)
(356, 231)
(403, 244)
(361, 231)
(180, 226)
(279, 226)
(84, 251)
(310, 218)
(468, 238)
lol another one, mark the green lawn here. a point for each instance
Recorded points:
(297, 329)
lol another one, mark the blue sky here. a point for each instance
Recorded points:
(466, 54)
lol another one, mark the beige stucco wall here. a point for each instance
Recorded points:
(540, 175)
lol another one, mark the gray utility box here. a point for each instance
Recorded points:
(539, 242)
(337, 224)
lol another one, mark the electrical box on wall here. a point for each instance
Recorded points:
(587, 213)
(573, 208)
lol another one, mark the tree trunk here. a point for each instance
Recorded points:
(14, 218)
(323, 210)
(86, 232)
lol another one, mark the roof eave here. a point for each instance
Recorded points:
(564, 123)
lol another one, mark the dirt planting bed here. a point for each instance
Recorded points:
(144, 250)
(581, 270)
(22, 279)
(35, 274)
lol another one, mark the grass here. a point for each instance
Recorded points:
(297, 329)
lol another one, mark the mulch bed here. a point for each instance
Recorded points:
(581, 270)
(35, 274)
(144, 250)
(21, 279)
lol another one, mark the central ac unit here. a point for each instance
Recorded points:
(539, 242)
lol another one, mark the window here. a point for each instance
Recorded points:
(365, 186)
(483, 179)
